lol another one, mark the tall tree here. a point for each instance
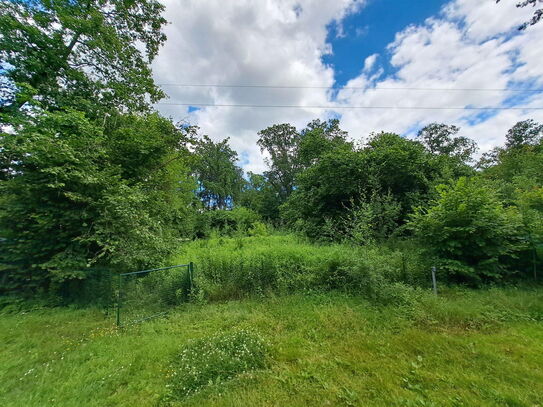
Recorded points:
(526, 132)
(93, 54)
(281, 142)
(318, 138)
(439, 138)
(219, 178)
(259, 195)
(83, 194)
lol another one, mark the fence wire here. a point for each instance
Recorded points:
(146, 294)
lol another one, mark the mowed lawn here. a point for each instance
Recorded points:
(465, 348)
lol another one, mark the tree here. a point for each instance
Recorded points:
(524, 133)
(219, 178)
(401, 166)
(281, 142)
(86, 195)
(325, 189)
(469, 232)
(538, 14)
(441, 139)
(318, 138)
(89, 54)
(518, 165)
(259, 195)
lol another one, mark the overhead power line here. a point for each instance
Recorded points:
(186, 85)
(332, 107)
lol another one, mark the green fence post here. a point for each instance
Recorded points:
(191, 270)
(118, 317)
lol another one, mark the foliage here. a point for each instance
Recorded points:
(469, 231)
(259, 195)
(226, 221)
(259, 229)
(526, 132)
(440, 139)
(519, 165)
(345, 178)
(90, 55)
(84, 194)
(291, 151)
(260, 265)
(538, 14)
(219, 179)
(281, 141)
(213, 360)
(530, 204)
(369, 221)
(318, 138)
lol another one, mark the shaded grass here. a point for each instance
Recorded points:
(482, 348)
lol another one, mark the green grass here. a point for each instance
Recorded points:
(465, 348)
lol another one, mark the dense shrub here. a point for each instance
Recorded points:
(470, 233)
(226, 221)
(77, 194)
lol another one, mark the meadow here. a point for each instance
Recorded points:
(317, 345)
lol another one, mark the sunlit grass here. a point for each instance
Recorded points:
(471, 348)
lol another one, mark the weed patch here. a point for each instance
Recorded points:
(215, 359)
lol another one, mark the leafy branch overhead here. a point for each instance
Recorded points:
(538, 14)
(59, 53)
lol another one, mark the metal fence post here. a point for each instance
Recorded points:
(118, 311)
(434, 283)
(191, 270)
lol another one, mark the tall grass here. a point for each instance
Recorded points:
(229, 268)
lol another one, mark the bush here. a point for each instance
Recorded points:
(213, 360)
(469, 231)
(259, 229)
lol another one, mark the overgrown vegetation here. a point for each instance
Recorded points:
(312, 279)
(238, 267)
(96, 180)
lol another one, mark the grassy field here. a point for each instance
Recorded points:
(465, 348)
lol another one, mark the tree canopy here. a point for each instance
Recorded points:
(93, 55)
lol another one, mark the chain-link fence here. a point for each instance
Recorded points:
(146, 294)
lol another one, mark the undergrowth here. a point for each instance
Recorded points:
(238, 267)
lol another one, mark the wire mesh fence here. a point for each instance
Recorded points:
(147, 294)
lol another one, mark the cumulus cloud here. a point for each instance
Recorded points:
(471, 44)
(248, 42)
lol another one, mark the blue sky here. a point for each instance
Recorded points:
(369, 30)
(401, 56)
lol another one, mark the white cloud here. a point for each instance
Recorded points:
(471, 44)
(262, 42)
(369, 62)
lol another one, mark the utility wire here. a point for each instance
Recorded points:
(331, 107)
(186, 85)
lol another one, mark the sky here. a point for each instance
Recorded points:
(387, 58)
